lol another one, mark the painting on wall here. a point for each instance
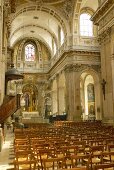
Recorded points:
(90, 92)
(91, 99)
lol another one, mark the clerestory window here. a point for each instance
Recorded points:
(86, 25)
(29, 52)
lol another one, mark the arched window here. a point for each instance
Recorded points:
(29, 52)
(86, 25)
(62, 36)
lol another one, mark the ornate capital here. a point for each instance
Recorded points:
(105, 36)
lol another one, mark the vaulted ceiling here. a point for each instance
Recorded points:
(41, 18)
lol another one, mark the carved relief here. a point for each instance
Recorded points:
(105, 20)
(81, 67)
(88, 41)
(67, 9)
(74, 68)
(105, 36)
(102, 10)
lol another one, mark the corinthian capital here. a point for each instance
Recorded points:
(105, 35)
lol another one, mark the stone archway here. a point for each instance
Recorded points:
(90, 100)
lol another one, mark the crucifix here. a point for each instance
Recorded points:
(103, 87)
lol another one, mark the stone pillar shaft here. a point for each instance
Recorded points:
(73, 93)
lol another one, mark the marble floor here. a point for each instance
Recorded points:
(7, 150)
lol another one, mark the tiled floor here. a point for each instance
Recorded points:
(5, 157)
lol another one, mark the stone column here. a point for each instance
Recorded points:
(107, 75)
(112, 64)
(57, 81)
(54, 96)
(2, 61)
(73, 104)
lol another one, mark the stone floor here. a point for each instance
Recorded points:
(6, 153)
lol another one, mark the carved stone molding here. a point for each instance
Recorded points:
(97, 68)
(101, 11)
(81, 67)
(105, 36)
(74, 68)
(112, 56)
(39, 2)
(67, 9)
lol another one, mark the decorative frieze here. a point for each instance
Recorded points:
(81, 67)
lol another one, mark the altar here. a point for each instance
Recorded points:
(29, 115)
(33, 117)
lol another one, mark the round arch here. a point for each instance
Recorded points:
(95, 82)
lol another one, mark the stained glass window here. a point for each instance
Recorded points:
(29, 52)
(86, 25)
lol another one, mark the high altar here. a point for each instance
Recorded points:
(33, 117)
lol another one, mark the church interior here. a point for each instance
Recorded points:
(57, 82)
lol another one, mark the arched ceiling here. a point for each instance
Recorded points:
(84, 4)
(37, 19)
(93, 4)
(41, 18)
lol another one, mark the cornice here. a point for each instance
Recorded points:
(72, 53)
(101, 11)
(75, 58)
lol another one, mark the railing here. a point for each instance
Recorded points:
(7, 108)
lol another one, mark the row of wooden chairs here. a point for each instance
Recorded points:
(60, 147)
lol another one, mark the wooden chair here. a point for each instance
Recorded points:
(81, 161)
(69, 150)
(108, 157)
(52, 163)
(24, 155)
(21, 147)
(78, 168)
(104, 166)
(43, 154)
(25, 165)
(95, 150)
(81, 146)
(111, 147)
